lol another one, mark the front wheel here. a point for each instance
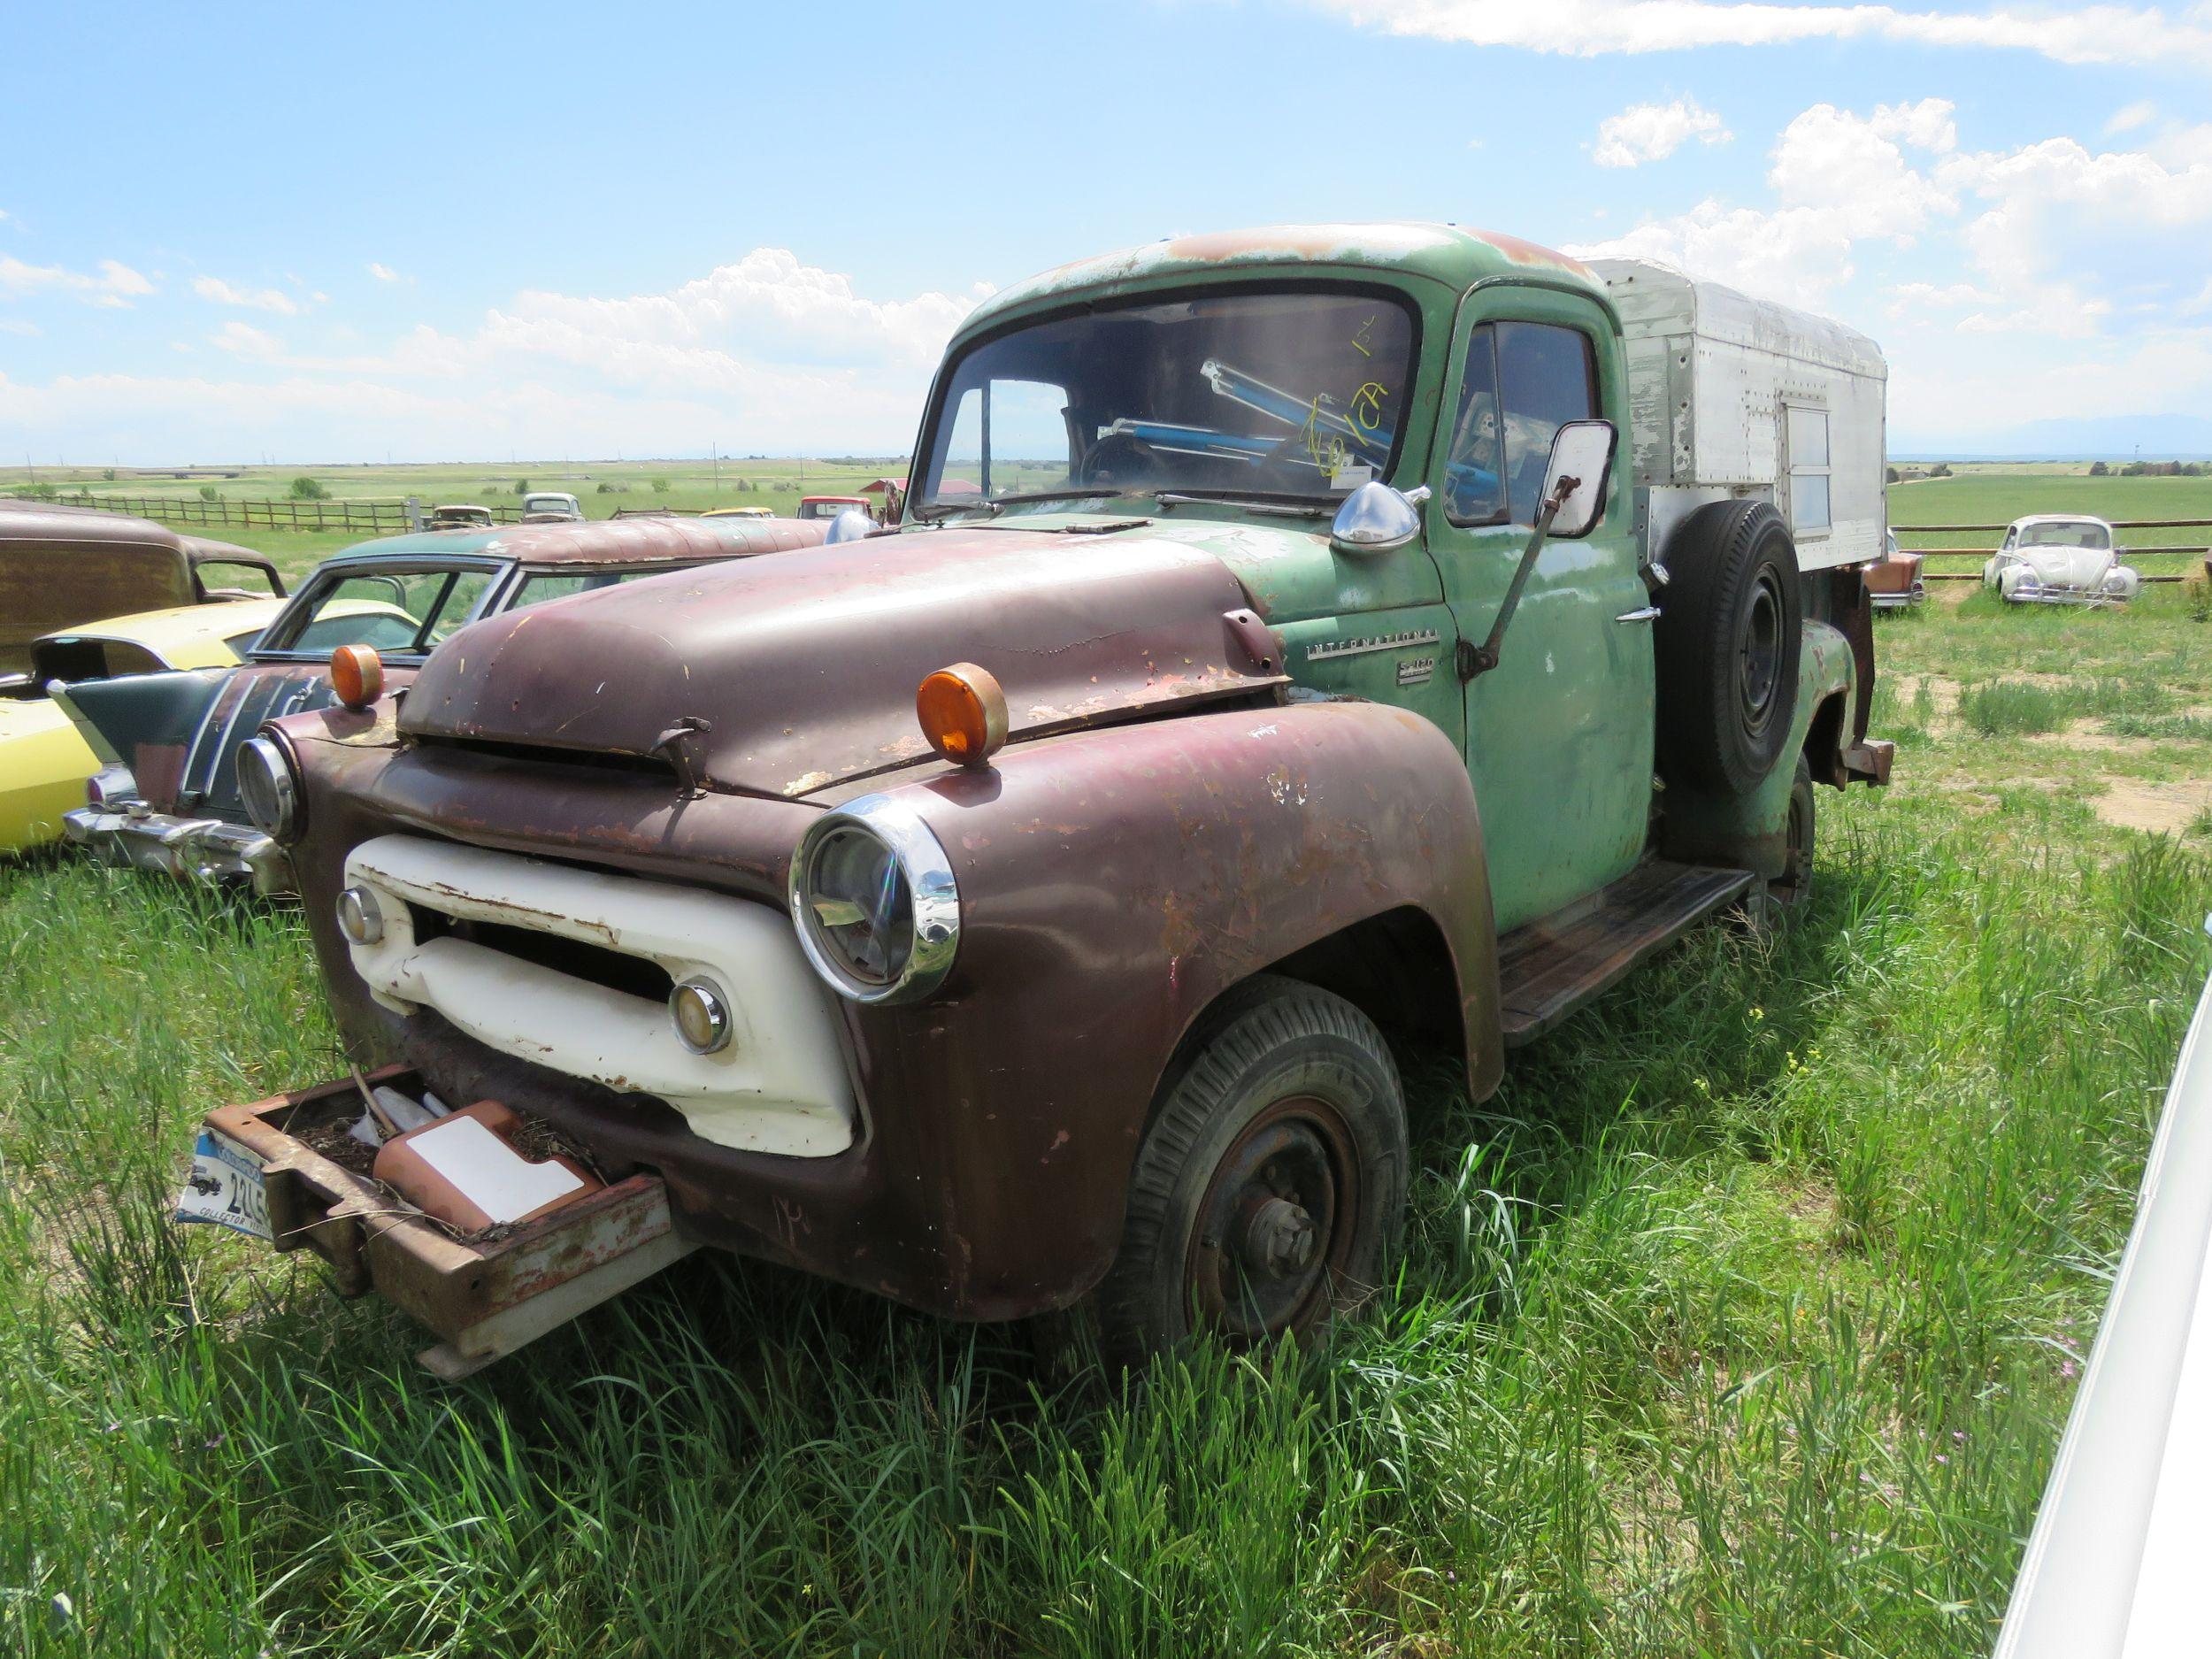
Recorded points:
(1270, 1190)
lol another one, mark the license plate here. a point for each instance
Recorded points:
(226, 1187)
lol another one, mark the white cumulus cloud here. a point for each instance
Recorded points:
(223, 293)
(763, 353)
(1652, 132)
(2080, 259)
(1838, 178)
(247, 341)
(1591, 28)
(115, 284)
(382, 272)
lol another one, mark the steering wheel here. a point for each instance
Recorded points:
(1120, 458)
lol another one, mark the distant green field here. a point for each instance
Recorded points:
(1978, 493)
(602, 486)
(1995, 497)
(1991, 496)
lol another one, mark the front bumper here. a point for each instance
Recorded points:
(2090, 596)
(188, 849)
(484, 1297)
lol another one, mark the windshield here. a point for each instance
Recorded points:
(399, 612)
(2077, 534)
(1278, 393)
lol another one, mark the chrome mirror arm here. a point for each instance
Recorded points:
(1480, 659)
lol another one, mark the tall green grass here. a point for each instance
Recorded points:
(1741, 1319)
(1738, 1319)
(2006, 708)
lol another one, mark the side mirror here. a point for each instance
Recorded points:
(1581, 460)
(852, 525)
(1375, 517)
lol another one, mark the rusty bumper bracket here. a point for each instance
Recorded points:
(1867, 761)
(486, 1298)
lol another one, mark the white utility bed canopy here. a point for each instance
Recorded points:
(1730, 395)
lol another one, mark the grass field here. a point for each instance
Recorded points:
(1741, 1320)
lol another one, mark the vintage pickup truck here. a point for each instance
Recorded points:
(1000, 911)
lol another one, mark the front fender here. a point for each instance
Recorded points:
(1113, 884)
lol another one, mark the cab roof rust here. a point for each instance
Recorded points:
(1450, 254)
(640, 540)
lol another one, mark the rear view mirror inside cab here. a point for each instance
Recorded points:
(1581, 461)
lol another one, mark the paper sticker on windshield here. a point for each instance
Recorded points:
(1352, 474)
(226, 1186)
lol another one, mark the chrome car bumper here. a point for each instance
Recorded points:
(188, 849)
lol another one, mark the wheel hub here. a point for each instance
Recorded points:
(1276, 1224)
(1760, 663)
(1279, 1238)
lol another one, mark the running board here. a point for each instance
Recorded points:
(1549, 967)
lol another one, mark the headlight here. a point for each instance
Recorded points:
(874, 901)
(268, 790)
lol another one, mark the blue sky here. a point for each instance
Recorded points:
(463, 231)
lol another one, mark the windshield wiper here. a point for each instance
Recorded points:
(1288, 506)
(1096, 493)
(932, 512)
(929, 512)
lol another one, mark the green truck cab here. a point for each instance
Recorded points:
(1288, 633)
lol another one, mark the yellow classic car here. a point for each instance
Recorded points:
(43, 761)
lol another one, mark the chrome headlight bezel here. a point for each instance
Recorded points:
(932, 892)
(269, 789)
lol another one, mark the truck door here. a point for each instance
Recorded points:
(1559, 735)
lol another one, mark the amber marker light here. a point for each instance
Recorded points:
(356, 674)
(963, 712)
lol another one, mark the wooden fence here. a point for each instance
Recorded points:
(365, 518)
(1994, 531)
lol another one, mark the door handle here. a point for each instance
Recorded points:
(1645, 615)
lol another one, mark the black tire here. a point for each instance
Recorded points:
(1769, 906)
(1789, 890)
(1269, 1192)
(1729, 626)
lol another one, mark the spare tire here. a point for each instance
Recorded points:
(1730, 625)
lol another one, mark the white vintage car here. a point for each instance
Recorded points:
(2060, 559)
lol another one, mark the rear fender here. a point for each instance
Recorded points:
(143, 721)
(1751, 831)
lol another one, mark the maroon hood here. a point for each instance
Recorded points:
(804, 666)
